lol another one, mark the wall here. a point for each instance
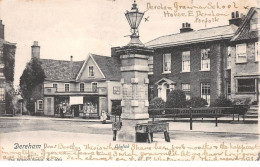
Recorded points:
(248, 70)
(110, 94)
(215, 76)
(85, 74)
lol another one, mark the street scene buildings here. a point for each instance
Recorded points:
(194, 86)
(7, 57)
(204, 63)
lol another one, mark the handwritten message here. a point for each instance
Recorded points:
(134, 152)
(204, 14)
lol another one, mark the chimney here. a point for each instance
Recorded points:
(2, 30)
(235, 19)
(35, 50)
(185, 27)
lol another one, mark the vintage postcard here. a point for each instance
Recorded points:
(132, 80)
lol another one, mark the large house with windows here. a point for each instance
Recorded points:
(193, 61)
(7, 50)
(244, 55)
(80, 88)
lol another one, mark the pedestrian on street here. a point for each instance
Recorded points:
(103, 117)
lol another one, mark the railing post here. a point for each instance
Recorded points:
(190, 118)
(153, 115)
(216, 117)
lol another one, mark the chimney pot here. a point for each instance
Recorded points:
(233, 15)
(35, 50)
(237, 14)
(35, 43)
(185, 27)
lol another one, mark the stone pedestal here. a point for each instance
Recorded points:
(134, 79)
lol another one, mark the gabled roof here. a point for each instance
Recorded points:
(203, 35)
(109, 66)
(61, 70)
(243, 32)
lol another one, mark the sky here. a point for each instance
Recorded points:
(79, 27)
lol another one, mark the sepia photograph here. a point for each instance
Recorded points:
(132, 80)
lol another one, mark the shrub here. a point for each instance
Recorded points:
(176, 99)
(157, 103)
(196, 102)
(221, 101)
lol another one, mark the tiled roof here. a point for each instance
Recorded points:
(109, 66)
(197, 36)
(243, 32)
(60, 70)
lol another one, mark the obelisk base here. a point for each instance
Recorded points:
(127, 131)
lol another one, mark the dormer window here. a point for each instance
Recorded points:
(91, 71)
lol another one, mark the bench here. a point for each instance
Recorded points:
(150, 128)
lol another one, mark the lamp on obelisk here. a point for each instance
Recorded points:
(134, 78)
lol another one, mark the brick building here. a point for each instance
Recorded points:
(82, 88)
(7, 56)
(193, 61)
(244, 58)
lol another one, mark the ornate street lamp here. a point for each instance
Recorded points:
(134, 18)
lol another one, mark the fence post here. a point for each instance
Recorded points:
(190, 118)
(153, 115)
(216, 117)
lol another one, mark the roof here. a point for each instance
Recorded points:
(243, 32)
(61, 70)
(202, 35)
(109, 66)
(2, 41)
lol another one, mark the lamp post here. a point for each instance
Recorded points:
(134, 79)
(134, 18)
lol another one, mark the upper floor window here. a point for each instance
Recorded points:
(91, 71)
(94, 86)
(257, 53)
(167, 62)
(241, 53)
(205, 59)
(186, 61)
(2, 92)
(55, 86)
(254, 24)
(82, 87)
(67, 87)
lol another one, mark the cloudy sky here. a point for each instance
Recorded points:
(79, 27)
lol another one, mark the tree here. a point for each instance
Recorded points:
(176, 99)
(32, 76)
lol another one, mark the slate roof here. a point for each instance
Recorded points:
(109, 66)
(243, 32)
(202, 35)
(61, 70)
